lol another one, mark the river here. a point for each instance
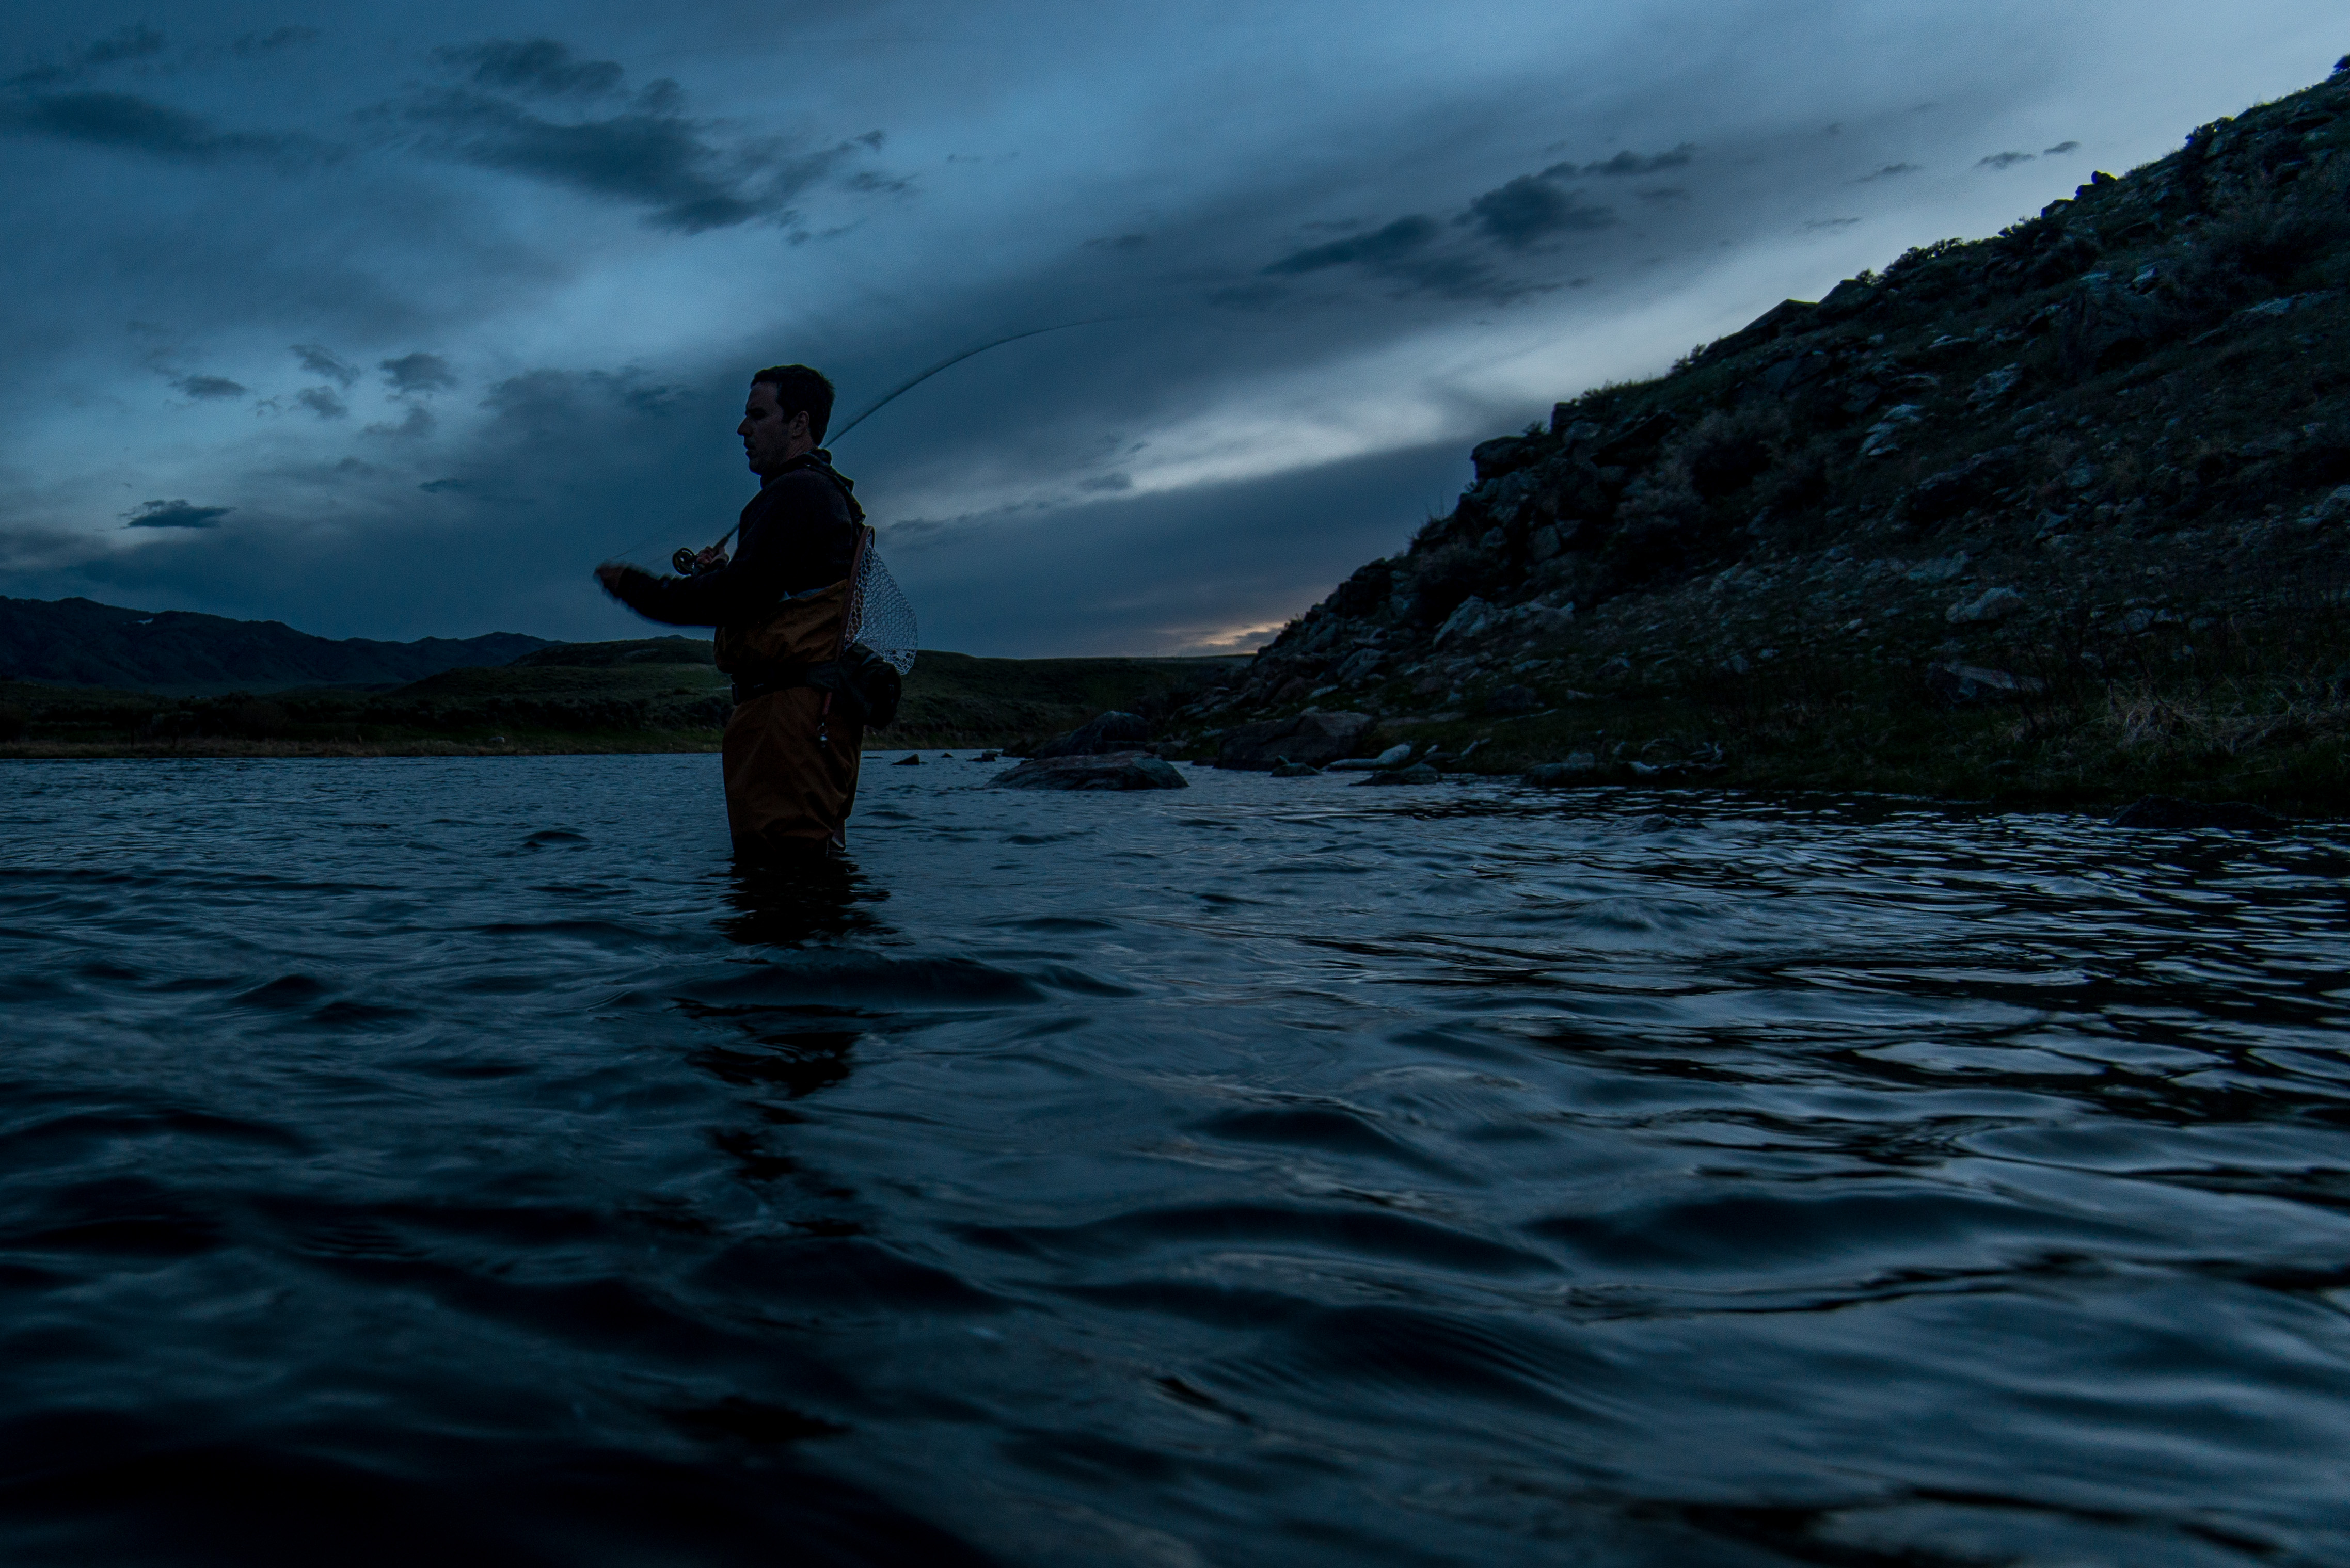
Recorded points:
(455, 1161)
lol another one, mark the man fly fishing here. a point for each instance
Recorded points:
(782, 607)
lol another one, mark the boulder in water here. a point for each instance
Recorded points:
(1285, 769)
(1099, 736)
(1115, 770)
(1393, 757)
(1418, 773)
(910, 760)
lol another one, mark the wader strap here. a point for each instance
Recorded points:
(785, 679)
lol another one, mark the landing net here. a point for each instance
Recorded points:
(878, 615)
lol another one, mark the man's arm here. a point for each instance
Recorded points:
(673, 601)
(735, 591)
(795, 536)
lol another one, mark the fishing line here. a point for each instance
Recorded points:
(948, 363)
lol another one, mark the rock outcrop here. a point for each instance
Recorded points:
(1099, 736)
(1108, 771)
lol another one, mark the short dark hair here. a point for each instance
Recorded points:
(798, 388)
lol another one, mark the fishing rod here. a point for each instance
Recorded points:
(687, 561)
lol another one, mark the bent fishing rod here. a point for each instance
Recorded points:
(687, 561)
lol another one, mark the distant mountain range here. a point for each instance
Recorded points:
(80, 642)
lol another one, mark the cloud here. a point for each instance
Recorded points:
(340, 473)
(1890, 172)
(1817, 225)
(1381, 246)
(1632, 162)
(1517, 216)
(205, 389)
(133, 124)
(1118, 242)
(486, 228)
(2061, 149)
(1397, 251)
(647, 155)
(538, 65)
(175, 514)
(1120, 572)
(414, 373)
(418, 423)
(277, 38)
(2004, 161)
(321, 361)
(549, 399)
(1531, 208)
(131, 43)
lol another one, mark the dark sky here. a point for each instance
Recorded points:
(393, 321)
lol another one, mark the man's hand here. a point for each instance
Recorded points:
(710, 559)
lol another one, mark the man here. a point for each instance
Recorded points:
(790, 752)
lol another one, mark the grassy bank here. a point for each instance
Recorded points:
(2217, 680)
(2098, 750)
(658, 694)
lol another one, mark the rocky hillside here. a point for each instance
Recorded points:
(2060, 512)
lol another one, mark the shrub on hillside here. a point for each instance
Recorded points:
(1798, 480)
(2254, 254)
(1683, 509)
(1443, 577)
(1727, 451)
(2274, 244)
(259, 720)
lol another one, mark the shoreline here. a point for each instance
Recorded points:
(1779, 778)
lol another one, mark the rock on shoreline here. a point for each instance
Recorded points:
(1110, 771)
(1313, 739)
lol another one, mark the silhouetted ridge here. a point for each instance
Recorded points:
(81, 642)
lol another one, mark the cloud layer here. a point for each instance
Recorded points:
(419, 316)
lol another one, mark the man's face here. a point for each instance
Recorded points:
(769, 440)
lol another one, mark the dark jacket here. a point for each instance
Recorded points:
(798, 532)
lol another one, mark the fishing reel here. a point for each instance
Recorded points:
(687, 561)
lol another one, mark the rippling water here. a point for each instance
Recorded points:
(454, 1161)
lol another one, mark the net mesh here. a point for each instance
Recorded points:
(878, 615)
